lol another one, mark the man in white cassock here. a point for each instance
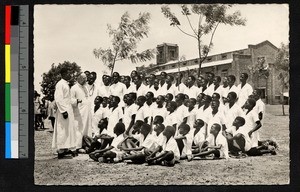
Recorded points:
(64, 139)
(82, 109)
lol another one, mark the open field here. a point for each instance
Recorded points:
(81, 170)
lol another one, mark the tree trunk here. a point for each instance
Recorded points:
(199, 52)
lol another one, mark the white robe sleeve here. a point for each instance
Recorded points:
(73, 96)
(62, 105)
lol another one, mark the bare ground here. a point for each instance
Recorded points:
(266, 170)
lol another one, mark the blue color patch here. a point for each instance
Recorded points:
(7, 140)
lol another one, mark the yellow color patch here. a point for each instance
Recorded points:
(7, 63)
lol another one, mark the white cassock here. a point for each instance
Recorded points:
(192, 91)
(96, 117)
(231, 113)
(180, 89)
(82, 112)
(159, 111)
(209, 90)
(113, 118)
(141, 91)
(156, 92)
(103, 91)
(244, 93)
(165, 90)
(225, 91)
(64, 136)
(233, 89)
(192, 118)
(128, 112)
(250, 122)
(117, 89)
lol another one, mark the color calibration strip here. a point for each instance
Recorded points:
(8, 140)
(16, 82)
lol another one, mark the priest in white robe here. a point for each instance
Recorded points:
(82, 109)
(64, 139)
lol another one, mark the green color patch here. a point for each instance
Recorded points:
(7, 101)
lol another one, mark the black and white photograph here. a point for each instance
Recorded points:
(161, 94)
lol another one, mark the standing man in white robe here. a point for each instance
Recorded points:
(64, 138)
(82, 109)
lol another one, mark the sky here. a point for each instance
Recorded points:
(71, 32)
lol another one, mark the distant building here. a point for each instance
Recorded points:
(227, 63)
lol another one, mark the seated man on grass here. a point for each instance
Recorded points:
(138, 154)
(111, 153)
(184, 141)
(216, 146)
(167, 152)
(90, 144)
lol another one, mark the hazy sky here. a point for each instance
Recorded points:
(71, 32)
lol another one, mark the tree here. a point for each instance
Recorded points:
(210, 17)
(53, 76)
(282, 64)
(125, 40)
(258, 70)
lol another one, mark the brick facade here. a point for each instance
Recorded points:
(235, 63)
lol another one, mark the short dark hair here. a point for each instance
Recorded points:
(181, 96)
(170, 129)
(159, 118)
(218, 78)
(252, 101)
(138, 123)
(171, 95)
(193, 99)
(163, 97)
(232, 78)
(152, 95)
(192, 77)
(210, 73)
(133, 95)
(173, 104)
(143, 98)
(146, 127)
(184, 126)
(217, 94)
(161, 126)
(201, 122)
(246, 75)
(117, 99)
(94, 73)
(241, 119)
(233, 94)
(119, 128)
(104, 122)
(63, 70)
(171, 77)
(100, 98)
(218, 126)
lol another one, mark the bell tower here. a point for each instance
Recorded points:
(167, 52)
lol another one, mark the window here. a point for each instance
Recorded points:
(196, 61)
(160, 54)
(209, 58)
(263, 92)
(173, 66)
(224, 56)
(172, 53)
(184, 64)
(224, 72)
